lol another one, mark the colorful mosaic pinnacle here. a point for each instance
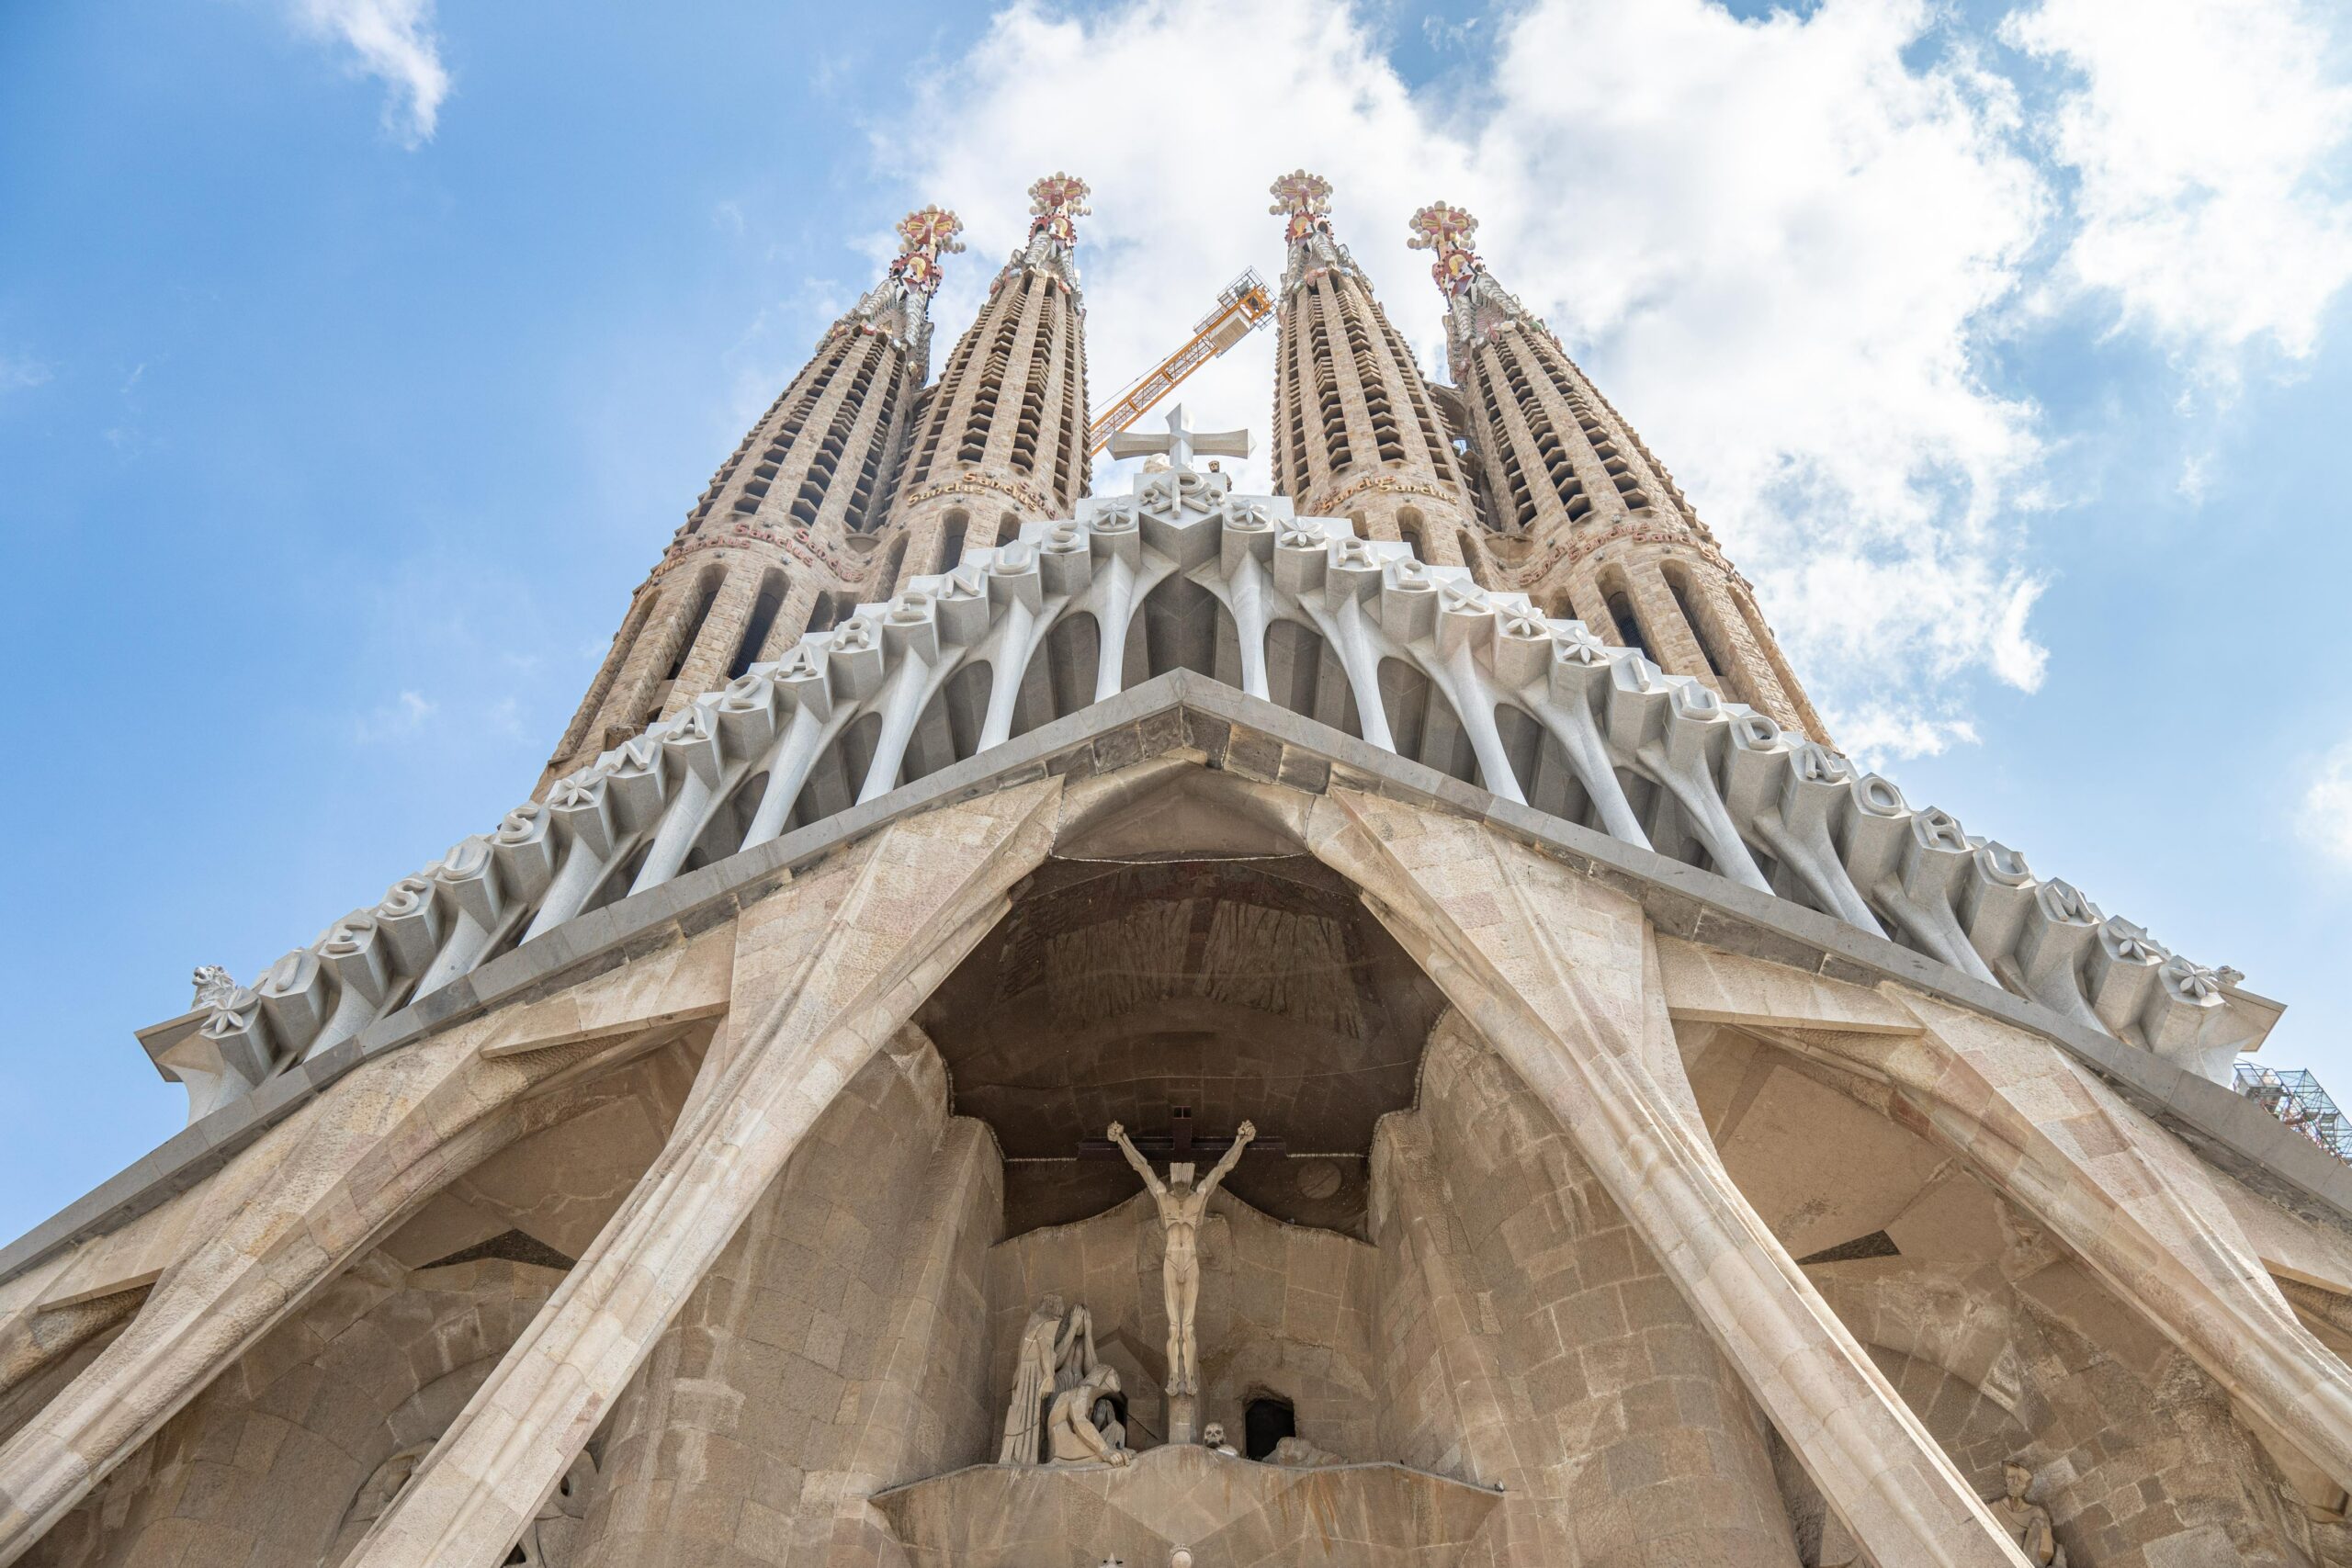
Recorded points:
(1056, 203)
(1306, 199)
(1448, 230)
(929, 233)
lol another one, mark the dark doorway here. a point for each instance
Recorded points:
(1267, 1422)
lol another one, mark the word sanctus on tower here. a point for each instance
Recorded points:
(1368, 1025)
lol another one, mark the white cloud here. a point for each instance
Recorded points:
(394, 41)
(2327, 806)
(1776, 244)
(2208, 137)
(403, 715)
(18, 372)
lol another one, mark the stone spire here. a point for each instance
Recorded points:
(1003, 437)
(783, 538)
(1357, 431)
(1600, 530)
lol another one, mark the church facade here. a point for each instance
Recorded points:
(1362, 1025)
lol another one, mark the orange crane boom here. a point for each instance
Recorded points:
(1242, 308)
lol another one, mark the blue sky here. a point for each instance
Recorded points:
(359, 357)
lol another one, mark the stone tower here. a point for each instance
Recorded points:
(1200, 964)
(782, 540)
(1003, 436)
(1357, 432)
(1596, 527)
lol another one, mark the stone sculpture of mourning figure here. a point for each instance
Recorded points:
(1057, 1352)
(1072, 1437)
(2027, 1523)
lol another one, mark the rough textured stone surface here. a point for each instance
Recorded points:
(1593, 1390)
(853, 1300)
(1222, 1509)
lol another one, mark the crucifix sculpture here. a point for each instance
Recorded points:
(1182, 442)
(1183, 1206)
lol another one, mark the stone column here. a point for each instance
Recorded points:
(2136, 1206)
(1556, 972)
(824, 973)
(1448, 1408)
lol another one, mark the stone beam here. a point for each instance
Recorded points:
(1559, 974)
(822, 977)
(2128, 1198)
(286, 1215)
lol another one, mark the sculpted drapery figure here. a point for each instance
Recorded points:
(1183, 1206)
(1072, 1437)
(1057, 1353)
(2028, 1523)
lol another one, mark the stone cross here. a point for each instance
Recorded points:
(1182, 442)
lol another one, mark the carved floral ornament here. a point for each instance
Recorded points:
(1730, 783)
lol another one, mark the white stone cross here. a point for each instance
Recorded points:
(1182, 442)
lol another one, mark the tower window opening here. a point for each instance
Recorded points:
(1700, 633)
(825, 613)
(1266, 1421)
(887, 576)
(951, 539)
(1629, 629)
(1408, 528)
(765, 609)
(704, 595)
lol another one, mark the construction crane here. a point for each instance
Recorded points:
(1242, 308)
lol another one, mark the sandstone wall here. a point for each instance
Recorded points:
(261, 1470)
(837, 1346)
(1533, 1342)
(1285, 1311)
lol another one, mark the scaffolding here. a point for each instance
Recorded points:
(2295, 1097)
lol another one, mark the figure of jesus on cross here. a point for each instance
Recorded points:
(1182, 1207)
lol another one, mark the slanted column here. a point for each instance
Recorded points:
(825, 972)
(295, 1208)
(2136, 1206)
(1630, 1426)
(888, 1201)
(1559, 974)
